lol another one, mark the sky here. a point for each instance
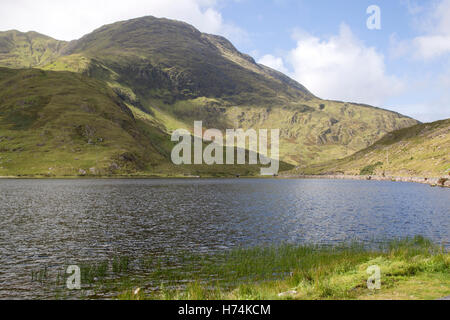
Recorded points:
(326, 45)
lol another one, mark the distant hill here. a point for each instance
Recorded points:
(26, 50)
(170, 74)
(421, 150)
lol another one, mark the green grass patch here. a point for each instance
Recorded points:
(370, 169)
(410, 269)
(307, 272)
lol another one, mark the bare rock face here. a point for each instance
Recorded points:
(444, 182)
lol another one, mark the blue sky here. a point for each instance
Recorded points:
(270, 23)
(324, 44)
(415, 85)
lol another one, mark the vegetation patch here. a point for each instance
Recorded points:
(410, 269)
(370, 169)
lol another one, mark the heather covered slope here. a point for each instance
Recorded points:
(422, 151)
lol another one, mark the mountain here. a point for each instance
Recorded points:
(168, 74)
(421, 151)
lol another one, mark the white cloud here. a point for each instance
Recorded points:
(437, 40)
(432, 46)
(434, 42)
(340, 67)
(442, 15)
(68, 20)
(427, 97)
(430, 97)
(273, 62)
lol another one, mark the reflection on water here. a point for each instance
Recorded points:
(55, 222)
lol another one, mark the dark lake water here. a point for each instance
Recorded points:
(55, 222)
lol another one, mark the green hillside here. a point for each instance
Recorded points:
(67, 124)
(421, 151)
(24, 50)
(169, 66)
(167, 74)
(64, 123)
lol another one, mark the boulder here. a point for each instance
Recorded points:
(287, 294)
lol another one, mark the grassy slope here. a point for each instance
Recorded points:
(169, 68)
(421, 150)
(57, 123)
(24, 50)
(67, 124)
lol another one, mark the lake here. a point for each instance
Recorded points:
(52, 223)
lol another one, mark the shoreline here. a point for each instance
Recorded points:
(433, 182)
(413, 269)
